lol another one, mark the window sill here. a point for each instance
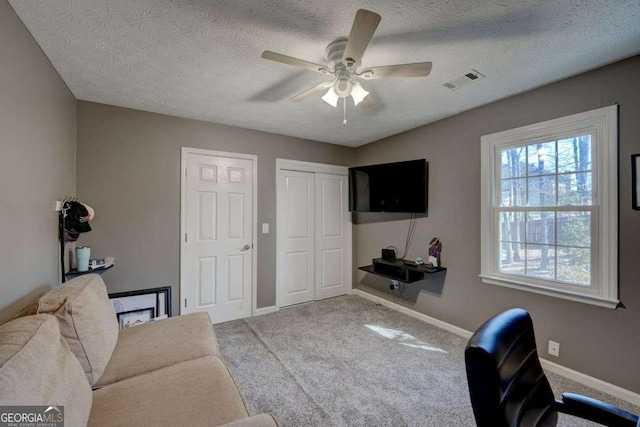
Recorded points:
(558, 293)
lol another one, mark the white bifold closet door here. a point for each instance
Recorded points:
(313, 255)
(298, 254)
(331, 237)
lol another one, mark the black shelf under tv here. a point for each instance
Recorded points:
(400, 270)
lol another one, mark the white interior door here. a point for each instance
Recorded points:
(297, 254)
(331, 237)
(218, 247)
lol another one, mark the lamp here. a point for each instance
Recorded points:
(342, 89)
(358, 93)
(331, 97)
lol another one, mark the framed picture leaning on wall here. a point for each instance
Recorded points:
(127, 319)
(141, 306)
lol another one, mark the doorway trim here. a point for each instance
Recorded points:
(184, 151)
(302, 166)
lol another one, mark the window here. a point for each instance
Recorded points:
(549, 208)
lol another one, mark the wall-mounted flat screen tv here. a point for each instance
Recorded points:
(390, 187)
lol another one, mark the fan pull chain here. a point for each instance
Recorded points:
(344, 112)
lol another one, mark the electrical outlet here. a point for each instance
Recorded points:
(58, 205)
(554, 348)
(393, 285)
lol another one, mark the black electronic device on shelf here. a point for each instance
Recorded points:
(389, 254)
(400, 269)
(390, 187)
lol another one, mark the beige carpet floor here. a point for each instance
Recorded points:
(347, 361)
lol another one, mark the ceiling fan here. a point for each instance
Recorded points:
(344, 58)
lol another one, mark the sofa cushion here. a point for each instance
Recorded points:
(37, 368)
(154, 345)
(87, 321)
(197, 392)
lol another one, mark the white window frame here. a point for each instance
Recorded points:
(602, 124)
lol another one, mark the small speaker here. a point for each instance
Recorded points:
(388, 255)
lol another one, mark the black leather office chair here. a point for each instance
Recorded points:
(508, 387)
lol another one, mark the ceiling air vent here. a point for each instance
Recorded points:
(463, 80)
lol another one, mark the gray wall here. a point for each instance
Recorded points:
(129, 172)
(597, 341)
(37, 160)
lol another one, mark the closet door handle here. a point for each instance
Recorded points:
(245, 248)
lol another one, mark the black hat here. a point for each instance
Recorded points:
(77, 219)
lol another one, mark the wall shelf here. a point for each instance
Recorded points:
(75, 273)
(400, 270)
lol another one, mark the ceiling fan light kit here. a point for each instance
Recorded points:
(331, 97)
(344, 57)
(358, 93)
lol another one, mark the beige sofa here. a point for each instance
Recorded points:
(66, 349)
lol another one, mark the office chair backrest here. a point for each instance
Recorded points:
(507, 385)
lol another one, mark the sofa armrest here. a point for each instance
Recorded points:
(595, 410)
(262, 420)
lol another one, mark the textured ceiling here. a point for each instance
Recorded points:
(201, 59)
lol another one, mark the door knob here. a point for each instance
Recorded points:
(245, 247)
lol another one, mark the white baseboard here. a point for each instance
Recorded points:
(402, 309)
(264, 310)
(592, 382)
(579, 377)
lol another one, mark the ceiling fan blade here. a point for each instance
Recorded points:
(364, 25)
(313, 91)
(420, 69)
(289, 60)
(367, 102)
